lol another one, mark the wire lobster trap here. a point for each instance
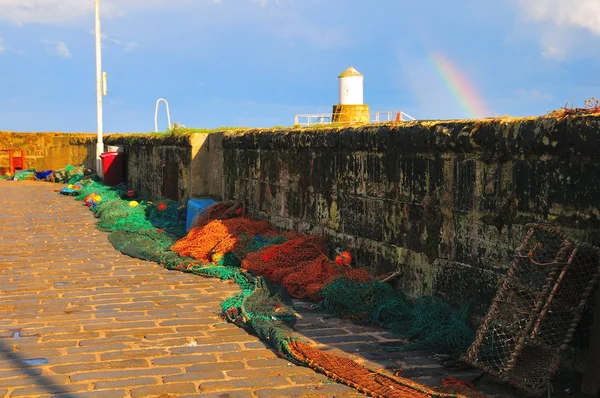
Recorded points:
(536, 311)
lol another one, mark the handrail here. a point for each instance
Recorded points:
(327, 118)
(156, 114)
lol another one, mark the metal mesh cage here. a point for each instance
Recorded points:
(536, 311)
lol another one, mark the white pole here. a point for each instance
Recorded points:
(99, 89)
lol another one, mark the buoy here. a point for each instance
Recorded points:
(97, 199)
(89, 199)
(343, 258)
(70, 186)
(162, 207)
(133, 203)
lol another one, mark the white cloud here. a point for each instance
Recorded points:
(60, 12)
(552, 52)
(564, 28)
(58, 48)
(280, 16)
(2, 48)
(565, 13)
(62, 50)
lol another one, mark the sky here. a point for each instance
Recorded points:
(257, 63)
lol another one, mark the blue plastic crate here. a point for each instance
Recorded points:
(195, 206)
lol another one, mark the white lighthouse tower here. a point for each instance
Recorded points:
(351, 87)
(350, 108)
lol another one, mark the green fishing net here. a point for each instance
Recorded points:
(429, 323)
(72, 174)
(24, 175)
(145, 245)
(167, 215)
(119, 215)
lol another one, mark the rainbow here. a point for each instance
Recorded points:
(459, 86)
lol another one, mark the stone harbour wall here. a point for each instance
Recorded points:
(50, 151)
(445, 203)
(157, 166)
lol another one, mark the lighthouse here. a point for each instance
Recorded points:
(350, 108)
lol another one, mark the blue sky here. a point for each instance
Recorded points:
(260, 62)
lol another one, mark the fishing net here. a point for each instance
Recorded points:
(246, 245)
(368, 381)
(262, 312)
(219, 211)
(70, 174)
(24, 175)
(300, 266)
(167, 215)
(120, 215)
(536, 311)
(430, 323)
(217, 237)
(86, 188)
(145, 245)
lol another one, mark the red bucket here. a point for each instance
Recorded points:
(113, 166)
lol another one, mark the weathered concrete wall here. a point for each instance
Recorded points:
(177, 166)
(48, 151)
(157, 166)
(207, 178)
(445, 203)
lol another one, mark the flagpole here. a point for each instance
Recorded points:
(99, 89)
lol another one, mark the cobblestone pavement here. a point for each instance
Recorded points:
(79, 319)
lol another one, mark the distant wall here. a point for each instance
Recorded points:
(177, 167)
(167, 165)
(48, 151)
(445, 203)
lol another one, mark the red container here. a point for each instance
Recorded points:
(113, 166)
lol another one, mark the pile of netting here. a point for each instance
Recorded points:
(301, 266)
(24, 175)
(69, 174)
(429, 323)
(269, 267)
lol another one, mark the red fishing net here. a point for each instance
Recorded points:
(301, 266)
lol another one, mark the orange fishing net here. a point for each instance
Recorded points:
(217, 237)
(373, 383)
(301, 266)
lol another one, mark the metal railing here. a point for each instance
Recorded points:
(307, 120)
(312, 119)
(391, 116)
(156, 114)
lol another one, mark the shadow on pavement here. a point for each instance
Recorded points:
(37, 379)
